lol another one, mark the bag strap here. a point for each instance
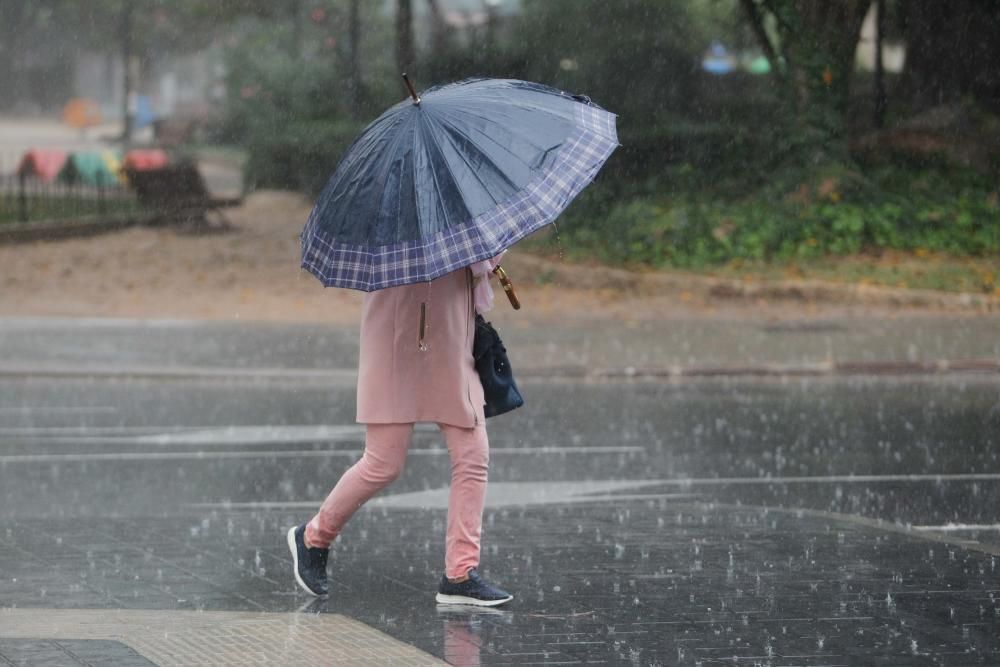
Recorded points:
(486, 338)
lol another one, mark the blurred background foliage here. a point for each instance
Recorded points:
(816, 158)
(713, 170)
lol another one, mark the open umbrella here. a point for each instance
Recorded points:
(81, 113)
(451, 177)
(91, 168)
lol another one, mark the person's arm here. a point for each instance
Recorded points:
(482, 291)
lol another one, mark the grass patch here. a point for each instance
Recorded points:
(934, 271)
(922, 228)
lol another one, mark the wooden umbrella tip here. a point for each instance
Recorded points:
(409, 87)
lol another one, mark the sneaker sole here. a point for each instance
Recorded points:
(295, 563)
(461, 599)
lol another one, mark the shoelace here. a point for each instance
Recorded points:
(321, 556)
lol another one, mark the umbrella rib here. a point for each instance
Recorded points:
(433, 172)
(451, 173)
(383, 175)
(502, 147)
(475, 172)
(354, 159)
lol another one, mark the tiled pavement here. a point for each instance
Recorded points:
(129, 637)
(64, 651)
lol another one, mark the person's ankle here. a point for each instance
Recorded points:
(458, 580)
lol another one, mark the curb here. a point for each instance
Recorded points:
(222, 373)
(47, 230)
(802, 291)
(580, 373)
(843, 369)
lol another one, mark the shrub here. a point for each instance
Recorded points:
(915, 211)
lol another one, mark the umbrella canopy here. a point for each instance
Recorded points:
(145, 159)
(453, 177)
(90, 169)
(81, 113)
(42, 163)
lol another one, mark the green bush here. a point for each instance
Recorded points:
(290, 111)
(933, 211)
(298, 156)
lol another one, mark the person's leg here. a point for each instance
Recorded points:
(381, 463)
(470, 453)
(461, 583)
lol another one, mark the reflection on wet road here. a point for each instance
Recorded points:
(812, 521)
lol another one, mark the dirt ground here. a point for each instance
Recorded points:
(252, 273)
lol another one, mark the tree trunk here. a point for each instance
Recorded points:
(125, 36)
(297, 19)
(405, 57)
(952, 51)
(815, 46)
(879, 92)
(353, 62)
(439, 31)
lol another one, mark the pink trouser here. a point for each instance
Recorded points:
(382, 462)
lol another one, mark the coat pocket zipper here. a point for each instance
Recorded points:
(468, 343)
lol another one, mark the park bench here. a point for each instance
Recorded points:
(176, 193)
(173, 132)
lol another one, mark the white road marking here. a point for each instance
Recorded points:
(59, 409)
(8, 459)
(245, 435)
(191, 435)
(955, 527)
(832, 479)
(90, 431)
(498, 494)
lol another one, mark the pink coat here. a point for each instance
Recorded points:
(397, 382)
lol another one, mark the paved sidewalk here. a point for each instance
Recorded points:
(571, 347)
(148, 475)
(141, 637)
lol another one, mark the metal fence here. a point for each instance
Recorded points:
(26, 198)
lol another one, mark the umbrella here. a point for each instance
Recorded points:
(82, 113)
(145, 159)
(90, 168)
(451, 177)
(42, 163)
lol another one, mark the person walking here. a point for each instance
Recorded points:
(416, 365)
(426, 191)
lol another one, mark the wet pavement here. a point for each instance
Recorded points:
(775, 521)
(538, 345)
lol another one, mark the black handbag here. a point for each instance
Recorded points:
(493, 366)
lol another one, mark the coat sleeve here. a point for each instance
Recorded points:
(482, 292)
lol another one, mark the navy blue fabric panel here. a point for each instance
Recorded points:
(420, 170)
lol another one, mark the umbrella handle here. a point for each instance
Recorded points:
(508, 287)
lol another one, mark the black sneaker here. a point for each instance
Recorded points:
(310, 564)
(473, 591)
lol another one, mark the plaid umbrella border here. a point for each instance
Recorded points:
(365, 268)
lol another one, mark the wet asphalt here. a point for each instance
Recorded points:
(784, 520)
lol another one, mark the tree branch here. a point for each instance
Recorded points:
(757, 25)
